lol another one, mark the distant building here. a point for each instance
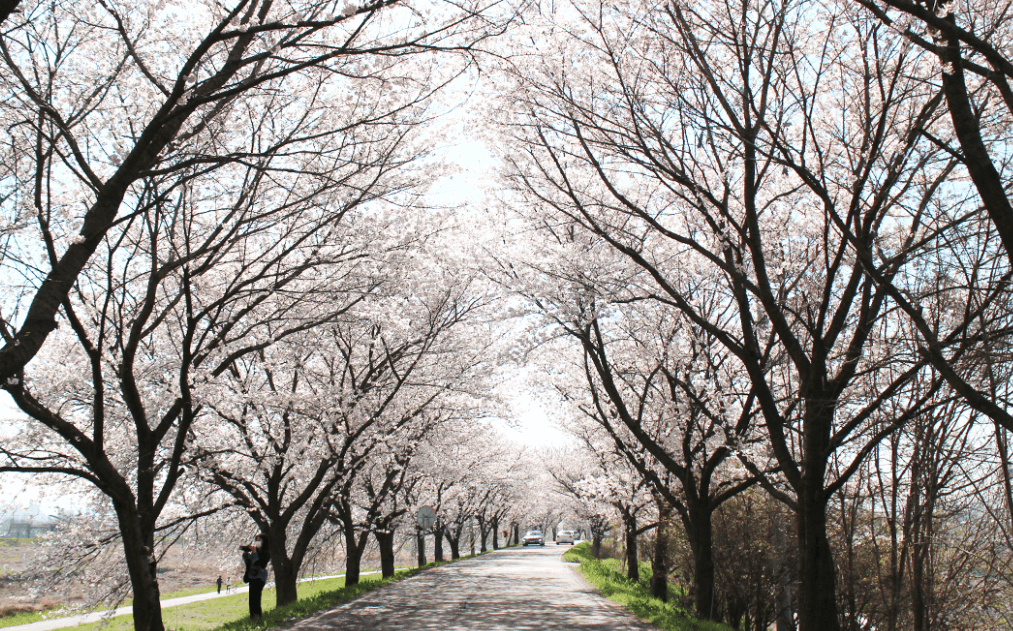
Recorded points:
(29, 523)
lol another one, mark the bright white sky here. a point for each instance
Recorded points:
(472, 188)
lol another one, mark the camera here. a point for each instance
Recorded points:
(246, 548)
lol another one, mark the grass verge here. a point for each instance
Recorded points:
(45, 611)
(231, 613)
(10, 617)
(607, 578)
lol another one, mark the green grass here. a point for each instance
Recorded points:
(27, 617)
(231, 613)
(607, 577)
(23, 617)
(308, 587)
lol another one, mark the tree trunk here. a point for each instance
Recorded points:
(455, 552)
(385, 541)
(918, 612)
(785, 619)
(632, 561)
(353, 556)
(438, 543)
(701, 538)
(659, 564)
(495, 533)
(517, 534)
(817, 580)
(147, 606)
(6, 8)
(285, 574)
(420, 546)
(921, 574)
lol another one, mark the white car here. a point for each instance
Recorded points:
(565, 536)
(533, 538)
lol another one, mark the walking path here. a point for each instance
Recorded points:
(95, 616)
(514, 589)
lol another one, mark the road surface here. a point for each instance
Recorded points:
(513, 589)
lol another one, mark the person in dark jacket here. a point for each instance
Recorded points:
(256, 557)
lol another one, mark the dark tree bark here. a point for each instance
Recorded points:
(385, 541)
(420, 547)
(700, 534)
(286, 573)
(818, 602)
(966, 127)
(659, 561)
(6, 8)
(483, 532)
(139, 548)
(632, 555)
(438, 542)
(454, 541)
(966, 124)
(354, 548)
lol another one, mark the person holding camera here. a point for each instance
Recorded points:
(256, 557)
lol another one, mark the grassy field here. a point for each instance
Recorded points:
(607, 577)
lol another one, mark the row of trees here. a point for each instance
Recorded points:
(774, 233)
(225, 297)
(764, 229)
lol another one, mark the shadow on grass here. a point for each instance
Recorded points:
(636, 595)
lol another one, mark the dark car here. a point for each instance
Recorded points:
(534, 538)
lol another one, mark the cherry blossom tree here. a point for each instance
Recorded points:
(473, 479)
(706, 151)
(105, 97)
(198, 276)
(671, 401)
(339, 413)
(624, 487)
(974, 66)
(116, 406)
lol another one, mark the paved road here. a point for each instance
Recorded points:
(514, 589)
